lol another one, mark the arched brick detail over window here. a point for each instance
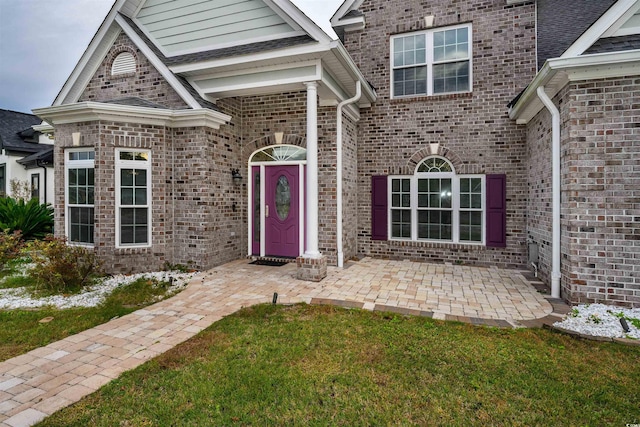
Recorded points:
(123, 62)
(425, 152)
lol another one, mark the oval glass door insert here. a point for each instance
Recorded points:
(283, 198)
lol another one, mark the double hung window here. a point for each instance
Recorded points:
(133, 199)
(431, 62)
(436, 204)
(80, 195)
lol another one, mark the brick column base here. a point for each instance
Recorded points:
(311, 269)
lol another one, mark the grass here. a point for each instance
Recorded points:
(22, 331)
(316, 365)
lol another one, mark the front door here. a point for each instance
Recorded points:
(282, 211)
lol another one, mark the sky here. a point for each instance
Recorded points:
(41, 42)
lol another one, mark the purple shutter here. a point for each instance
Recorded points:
(379, 207)
(496, 211)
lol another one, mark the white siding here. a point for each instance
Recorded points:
(183, 25)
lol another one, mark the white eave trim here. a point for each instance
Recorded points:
(300, 19)
(43, 127)
(344, 8)
(600, 27)
(351, 24)
(159, 65)
(557, 72)
(94, 111)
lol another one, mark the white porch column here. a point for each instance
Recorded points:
(311, 250)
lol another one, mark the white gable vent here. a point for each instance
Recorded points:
(124, 63)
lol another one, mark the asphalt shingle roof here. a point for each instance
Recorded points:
(44, 157)
(615, 44)
(562, 22)
(135, 102)
(12, 125)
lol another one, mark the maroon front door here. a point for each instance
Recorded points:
(282, 211)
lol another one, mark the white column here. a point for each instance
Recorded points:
(311, 194)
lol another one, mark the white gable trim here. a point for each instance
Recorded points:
(159, 65)
(616, 29)
(80, 72)
(291, 11)
(94, 111)
(344, 8)
(607, 21)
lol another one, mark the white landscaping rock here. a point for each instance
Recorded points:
(600, 320)
(91, 296)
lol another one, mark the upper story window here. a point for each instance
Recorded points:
(124, 63)
(431, 62)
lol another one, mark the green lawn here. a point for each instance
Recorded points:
(316, 365)
(22, 330)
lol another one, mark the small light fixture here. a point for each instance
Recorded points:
(235, 174)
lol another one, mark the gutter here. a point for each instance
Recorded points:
(339, 171)
(555, 171)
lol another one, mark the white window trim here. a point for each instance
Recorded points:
(455, 207)
(133, 164)
(76, 164)
(429, 51)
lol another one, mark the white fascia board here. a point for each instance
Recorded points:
(94, 111)
(257, 70)
(159, 65)
(599, 28)
(616, 30)
(561, 71)
(345, 7)
(43, 127)
(351, 24)
(300, 19)
(205, 67)
(89, 53)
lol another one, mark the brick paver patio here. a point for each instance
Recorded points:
(36, 384)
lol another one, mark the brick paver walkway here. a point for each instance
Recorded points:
(36, 384)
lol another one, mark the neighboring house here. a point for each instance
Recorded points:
(27, 155)
(207, 131)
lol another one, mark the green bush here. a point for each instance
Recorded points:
(10, 245)
(60, 268)
(32, 219)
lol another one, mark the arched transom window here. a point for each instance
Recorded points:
(436, 204)
(280, 153)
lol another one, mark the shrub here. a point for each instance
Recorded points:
(10, 245)
(61, 268)
(32, 219)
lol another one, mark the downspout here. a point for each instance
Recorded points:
(555, 171)
(44, 168)
(339, 171)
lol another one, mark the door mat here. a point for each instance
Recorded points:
(269, 263)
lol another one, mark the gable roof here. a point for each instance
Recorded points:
(123, 16)
(561, 23)
(348, 17)
(15, 127)
(602, 50)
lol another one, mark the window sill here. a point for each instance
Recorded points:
(428, 98)
(435, 244)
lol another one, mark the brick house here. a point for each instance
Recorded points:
(207, 131)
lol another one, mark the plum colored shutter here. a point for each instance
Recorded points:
(379, 208)
(496, 211)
